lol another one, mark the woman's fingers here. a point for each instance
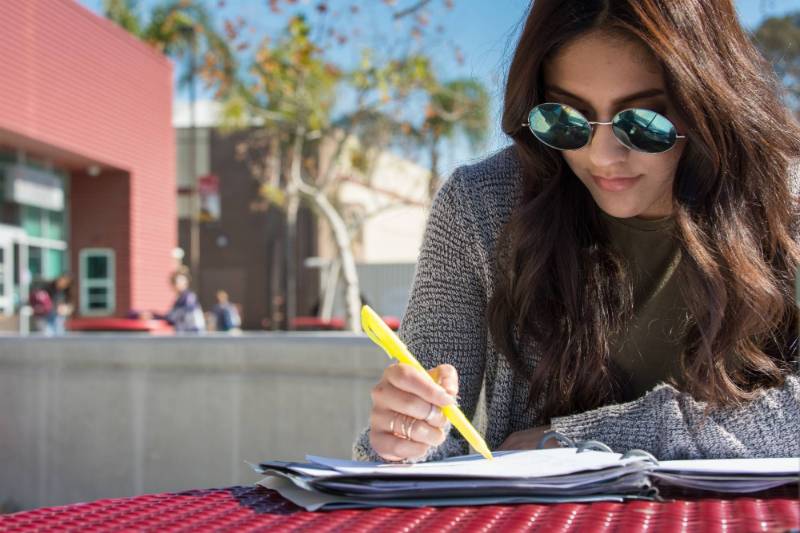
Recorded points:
(400, 426)
(411, 380)
(394, 448)
(447, 377)
(387, 397)
(406, 419)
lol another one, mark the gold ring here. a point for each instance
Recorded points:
(403, 427)
(399, 434)
(410, 427)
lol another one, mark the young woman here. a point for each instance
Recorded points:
(624, 272)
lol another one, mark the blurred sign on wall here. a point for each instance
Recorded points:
(208, 189)
(34, 187)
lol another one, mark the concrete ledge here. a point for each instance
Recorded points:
(97, 416)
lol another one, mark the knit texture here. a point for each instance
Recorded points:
(445, 323)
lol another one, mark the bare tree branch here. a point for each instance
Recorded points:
(411, 9)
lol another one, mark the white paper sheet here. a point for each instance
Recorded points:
(757, 466)
(519, 464)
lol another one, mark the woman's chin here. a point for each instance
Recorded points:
(621, 211)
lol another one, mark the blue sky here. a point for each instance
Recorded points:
(485, 31)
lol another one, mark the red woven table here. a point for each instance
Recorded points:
(256, 508)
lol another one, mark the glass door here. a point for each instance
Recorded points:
(6, 273)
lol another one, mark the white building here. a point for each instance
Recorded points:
(395, 204)
(386, 245)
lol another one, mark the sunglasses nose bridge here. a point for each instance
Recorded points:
(593, 124)
(605, 148)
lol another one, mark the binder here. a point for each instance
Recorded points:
(578, 472)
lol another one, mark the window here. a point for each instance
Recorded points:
(8, 157)
(38, 222)
(32, 220)
(46, 263)
(2, 272)
(35, 262)
(54, 264)
(54, 228)
(97, 281)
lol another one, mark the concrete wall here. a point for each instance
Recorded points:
(96, 416)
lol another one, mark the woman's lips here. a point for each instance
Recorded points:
(616, 184)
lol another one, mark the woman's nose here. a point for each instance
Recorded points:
(605, 150)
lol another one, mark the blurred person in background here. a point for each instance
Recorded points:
(186, 315)
(226, 316)
(52, 304)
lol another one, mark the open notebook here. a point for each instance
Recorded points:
(574, 474)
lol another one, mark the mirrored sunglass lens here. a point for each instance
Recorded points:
(644, 130)
(559, 126)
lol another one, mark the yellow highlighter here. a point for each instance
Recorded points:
(377, 330)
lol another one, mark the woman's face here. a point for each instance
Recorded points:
(181, 283)
(600, 75)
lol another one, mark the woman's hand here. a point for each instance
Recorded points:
(528, 439)
(405, 420)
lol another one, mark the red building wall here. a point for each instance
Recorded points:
(77, 89)
(108, 226)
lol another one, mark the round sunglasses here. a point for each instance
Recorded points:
(563, 127)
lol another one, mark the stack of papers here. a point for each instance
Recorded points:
(729, 475)
(531, 476)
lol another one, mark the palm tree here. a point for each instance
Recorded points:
(178, 28)
(125, 14)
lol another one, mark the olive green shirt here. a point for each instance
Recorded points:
(648, 351)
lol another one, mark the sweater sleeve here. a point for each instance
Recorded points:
(672, 425)
(444, 320)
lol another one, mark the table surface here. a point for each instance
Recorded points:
(256, 508)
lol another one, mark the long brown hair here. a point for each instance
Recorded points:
(563, 286)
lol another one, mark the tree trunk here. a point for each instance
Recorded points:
(344, 247)
(433, 183)
(290, 259)
(292, 207)
(331, 288)
(273, 170)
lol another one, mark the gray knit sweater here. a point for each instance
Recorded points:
(445, 323)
